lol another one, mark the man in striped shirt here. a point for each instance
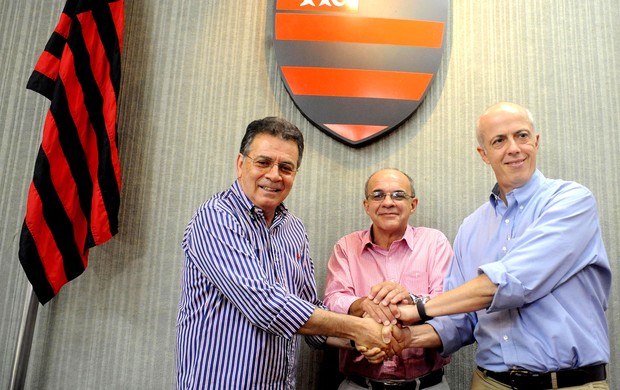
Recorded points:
(248, 282)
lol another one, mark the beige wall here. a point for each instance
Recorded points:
(196, 72)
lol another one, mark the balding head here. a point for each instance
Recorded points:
(499, 108)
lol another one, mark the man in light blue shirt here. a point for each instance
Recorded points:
(530, 278)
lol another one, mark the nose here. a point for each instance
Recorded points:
(388, 201)
(513, 146)
(273, 173)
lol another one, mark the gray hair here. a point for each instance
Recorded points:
(277, 127)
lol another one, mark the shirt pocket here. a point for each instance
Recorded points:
(416, 282)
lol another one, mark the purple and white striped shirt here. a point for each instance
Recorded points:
(246, 290)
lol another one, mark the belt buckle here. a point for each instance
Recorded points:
(388, 384)
(524, 379)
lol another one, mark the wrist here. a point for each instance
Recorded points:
(422, 310)
(356, 309)
(424, 336)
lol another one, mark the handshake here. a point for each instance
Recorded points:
(392, 309)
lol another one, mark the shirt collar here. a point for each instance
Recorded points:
(408, 237)
(367, 237)
(521, 194)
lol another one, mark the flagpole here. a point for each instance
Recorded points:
(24, 341)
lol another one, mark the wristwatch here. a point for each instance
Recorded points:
(421, 311)
(415, 298)
(419, 301)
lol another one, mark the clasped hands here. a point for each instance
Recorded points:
(383, 305)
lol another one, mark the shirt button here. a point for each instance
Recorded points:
(505, 338)
(504, 249)
(520, 207)
(507, 221)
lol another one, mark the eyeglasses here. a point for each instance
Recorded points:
(397, 196)
(265, 164)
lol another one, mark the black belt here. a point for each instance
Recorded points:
(527, 380)
(432, 379)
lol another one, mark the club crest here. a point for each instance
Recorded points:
(357, 69)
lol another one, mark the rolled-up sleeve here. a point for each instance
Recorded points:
(553, 248)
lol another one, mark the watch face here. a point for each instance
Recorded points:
(415, 298)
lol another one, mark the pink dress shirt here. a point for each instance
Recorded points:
(418, 262)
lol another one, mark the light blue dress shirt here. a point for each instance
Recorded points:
(545, 253)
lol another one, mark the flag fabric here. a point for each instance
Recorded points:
(74, 197)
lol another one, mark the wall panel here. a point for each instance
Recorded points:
(196, 72)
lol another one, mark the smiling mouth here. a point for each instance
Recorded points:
(515, 163)
(270, 189)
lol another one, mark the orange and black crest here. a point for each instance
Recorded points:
(357, 69)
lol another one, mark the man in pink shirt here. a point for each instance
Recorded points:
(390, 255)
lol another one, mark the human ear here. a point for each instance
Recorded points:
(483, 155)
(239, 165)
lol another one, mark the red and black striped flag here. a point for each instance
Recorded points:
(74, 197)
